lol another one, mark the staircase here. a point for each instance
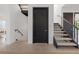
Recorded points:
(62, 38)
(24, 9)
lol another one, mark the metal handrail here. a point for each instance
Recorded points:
(69, 22)
(17, 30)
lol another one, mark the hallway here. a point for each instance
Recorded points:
(17, 21)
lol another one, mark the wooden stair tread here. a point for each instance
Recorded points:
(61, 34)
(57, 27)
(59, 31)
(59, 38)
(66, 43)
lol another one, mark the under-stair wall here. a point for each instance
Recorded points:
(18, 21)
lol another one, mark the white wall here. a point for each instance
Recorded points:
(14, 19)
(71, 8)
(18, 21)
(30, 21)
(57, 13)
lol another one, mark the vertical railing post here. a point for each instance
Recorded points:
(77, 38)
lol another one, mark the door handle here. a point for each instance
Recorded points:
(45, 30)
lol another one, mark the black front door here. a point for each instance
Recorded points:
(40, 25)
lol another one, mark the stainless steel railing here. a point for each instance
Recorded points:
(18, 31)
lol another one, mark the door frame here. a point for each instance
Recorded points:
(47, 23)
(50, 19)
(74, 16)
(74, 28)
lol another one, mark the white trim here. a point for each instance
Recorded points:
(30, 22)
